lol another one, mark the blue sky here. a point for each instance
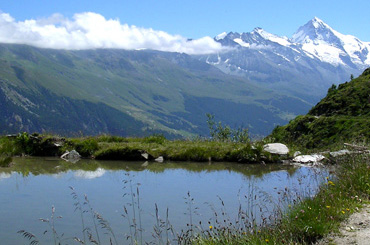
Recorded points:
(166, 25)
(197, 18)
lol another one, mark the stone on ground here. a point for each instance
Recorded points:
(276, 148)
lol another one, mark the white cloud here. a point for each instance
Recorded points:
(91, 30)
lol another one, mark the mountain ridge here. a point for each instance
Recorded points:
(304, 65)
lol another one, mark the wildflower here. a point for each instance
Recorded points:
(343, 212)
(210, 227)
(347, 209)
(327, 177)
(267, 240)
(331, 183)
(327, 206)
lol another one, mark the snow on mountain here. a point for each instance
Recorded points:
(220, 36)
(306, 64)
(315, 39)
(271, 37)
(328, 45)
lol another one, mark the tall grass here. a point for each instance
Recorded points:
(307, 219)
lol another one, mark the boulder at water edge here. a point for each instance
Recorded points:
(71, 156)
(276, 148)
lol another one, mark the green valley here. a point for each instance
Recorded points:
(129, 93)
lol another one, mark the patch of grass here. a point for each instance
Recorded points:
(156, 138)
(85, 146)
(111, 139)
(119, 148)
(119, 153)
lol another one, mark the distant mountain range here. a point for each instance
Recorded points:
(305, 65)
(264, 80)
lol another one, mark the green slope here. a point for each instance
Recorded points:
(162, 92)
(342, 116)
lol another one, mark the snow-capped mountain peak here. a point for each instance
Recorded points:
(318, 23)
(314, 40)
(323, 42)
(315, 29)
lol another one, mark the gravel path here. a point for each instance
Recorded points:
(356, 230)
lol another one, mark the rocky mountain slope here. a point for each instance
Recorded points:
(129, 93)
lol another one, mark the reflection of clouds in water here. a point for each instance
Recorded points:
(89, 174)
(58, 175)
(5, 175)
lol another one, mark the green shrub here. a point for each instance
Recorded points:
(225, 133)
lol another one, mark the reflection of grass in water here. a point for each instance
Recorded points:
(254, 220)
(7, 150)
(42, 165)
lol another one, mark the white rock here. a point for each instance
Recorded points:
(159, 159)
(276, 148)
(339, 153)
(308, 158)
(297, 153)
(71, 156)
(145, 155)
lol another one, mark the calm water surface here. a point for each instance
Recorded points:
(33, 186)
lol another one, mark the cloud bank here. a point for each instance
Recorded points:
(91, 31)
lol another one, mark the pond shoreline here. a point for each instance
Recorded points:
(156, 148)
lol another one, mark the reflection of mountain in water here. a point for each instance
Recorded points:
(89, 169)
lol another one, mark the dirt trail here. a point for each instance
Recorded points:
(356, 230)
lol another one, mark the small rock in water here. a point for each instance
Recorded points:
(159, 159)
(147, 156)
(276, 148)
